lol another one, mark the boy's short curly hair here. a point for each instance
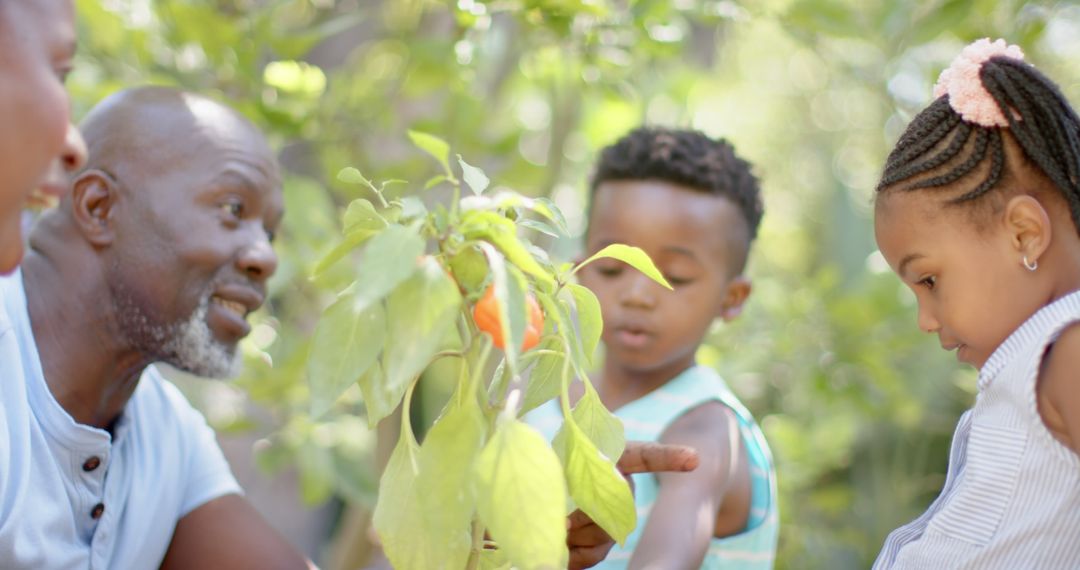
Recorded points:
(685, 157)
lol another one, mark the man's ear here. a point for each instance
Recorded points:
(738, 289)
(1029, 227)
(93, 196)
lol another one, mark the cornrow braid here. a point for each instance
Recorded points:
(960, 137)
(1039, 117)
(982, 141)
(919, 146)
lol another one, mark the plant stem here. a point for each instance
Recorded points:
(477, 545)
(455, 199)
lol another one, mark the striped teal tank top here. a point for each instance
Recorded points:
(646, 419)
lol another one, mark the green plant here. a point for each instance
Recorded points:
(480, 469)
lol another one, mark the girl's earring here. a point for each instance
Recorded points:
(1031, 265)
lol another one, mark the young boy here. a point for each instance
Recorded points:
(694, 207)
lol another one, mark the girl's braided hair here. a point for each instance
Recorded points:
(942, 145)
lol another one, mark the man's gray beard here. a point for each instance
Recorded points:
(194, 348)
(188, 345)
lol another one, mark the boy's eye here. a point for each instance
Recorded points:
(609, 270)
(677, 281)
(928, 282)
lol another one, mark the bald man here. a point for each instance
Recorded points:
(158, 254)
(37, 142)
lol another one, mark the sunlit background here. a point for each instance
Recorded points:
(858, 405)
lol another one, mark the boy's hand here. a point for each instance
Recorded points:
(588, 543)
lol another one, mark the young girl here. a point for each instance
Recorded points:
(37, 144)
(978, 211)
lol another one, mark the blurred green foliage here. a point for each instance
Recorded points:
(858, 404)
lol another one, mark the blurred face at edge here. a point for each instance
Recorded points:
(38, 144)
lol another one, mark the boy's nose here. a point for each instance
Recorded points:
(640, 290)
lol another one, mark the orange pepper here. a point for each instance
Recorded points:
(486, 315)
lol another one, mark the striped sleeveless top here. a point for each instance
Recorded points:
(1012, 493)
(645, 419)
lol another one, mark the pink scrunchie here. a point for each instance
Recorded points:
(961, 81)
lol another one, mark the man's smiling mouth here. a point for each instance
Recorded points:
(239, 309)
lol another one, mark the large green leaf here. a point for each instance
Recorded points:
(446, 462)
(558, 311)
(399, 515)
(633, 256)
(420, 313)
(589, 318)
(347, 340)
(595, 484)
(380, 399)
(386, 261)
(598, 424)
(521, 497)
(545, 379)
(351, 241)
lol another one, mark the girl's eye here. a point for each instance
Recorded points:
(63, 70)
(928, 282)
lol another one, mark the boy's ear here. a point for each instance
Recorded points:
(93, 196)
(1029, 227)
(738, 289)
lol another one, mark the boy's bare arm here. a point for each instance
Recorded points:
(683, 519)
(1059, 389)
(228, 532)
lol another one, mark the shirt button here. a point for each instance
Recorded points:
(97, 511)
(91, 464)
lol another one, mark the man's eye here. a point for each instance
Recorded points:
(234, 208)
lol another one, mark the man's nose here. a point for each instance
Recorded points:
(258, 260)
